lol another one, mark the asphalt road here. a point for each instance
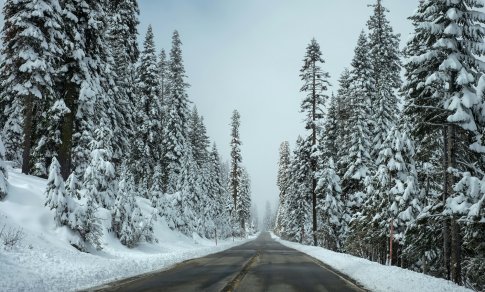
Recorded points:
(259, 265)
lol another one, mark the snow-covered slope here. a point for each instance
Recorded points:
(374, 276)
(44, 260)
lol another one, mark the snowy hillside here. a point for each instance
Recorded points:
(374, 276)
(44, 260)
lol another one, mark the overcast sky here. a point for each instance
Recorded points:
(246, 55)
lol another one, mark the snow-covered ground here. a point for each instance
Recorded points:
(374, 276)
(44, 260)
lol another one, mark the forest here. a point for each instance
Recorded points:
(392, 169)
(106, 122)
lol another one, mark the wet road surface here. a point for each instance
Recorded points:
(259, 265)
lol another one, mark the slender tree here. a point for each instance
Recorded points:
(146, 150)
(283, 182)
(236, 160)
(178, 112)
(357, 159)
(315, 84)
(386, 67)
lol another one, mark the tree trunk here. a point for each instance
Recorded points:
(446, 189)
(67, 130)
(455, 252)
(455, 241)
(28, 131)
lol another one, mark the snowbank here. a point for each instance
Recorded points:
(374, 276)
(44, 260)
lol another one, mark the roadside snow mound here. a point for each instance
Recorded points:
(374, 276)
(44, 260)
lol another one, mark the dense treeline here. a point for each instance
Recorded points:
(399, 186)
(106, 122)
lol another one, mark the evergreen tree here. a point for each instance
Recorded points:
(175, 137)
(218, 190)
(386, 67)
(13, 130)
(123, 40)
(31, 37)
(88, 83)
(156, 191)
(315, 84)
(298, 221)
(146, 151)
(126, 218)
(357, 159)
(99, 181)
(243, 203)
(446, 48)
(394, 197)
(3, 172)
(163, 66)
(344, 112)
(331, 131)
(236, 160)
(56, 193)
(283, 182)
(330, 208)
(86, 223)
(198, 138)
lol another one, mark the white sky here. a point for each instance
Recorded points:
(247, 54)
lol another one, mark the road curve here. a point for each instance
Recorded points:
(259, 265)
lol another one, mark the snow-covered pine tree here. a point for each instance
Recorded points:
(330, 133)
(344, 111)
(49, 139)
(217, 188)
(55, 193)
(126, 218)
(394, 197)
(188, 188)
(87, 83)
(330, 208)
(31, 49)
(163, 66)
(123, 41)
(13, 129)
(425, 236)
(178, 112)
(84, 220)
(146, 149)
(236, 160)
(243, 203)
(315, 84)
(451, 59)
(156, 191)
(357, 159)
(283, 183)
(198, 138)
(3, 172)
(386, 67)
(297, 224)
(99, 181)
